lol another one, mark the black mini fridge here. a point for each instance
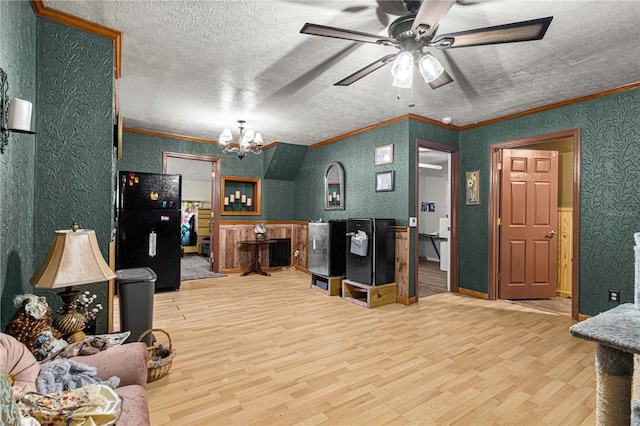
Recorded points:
(371, 252)
(149, 219)
(327, 248)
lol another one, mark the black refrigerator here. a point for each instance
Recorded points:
(371, 253)
(148, 230)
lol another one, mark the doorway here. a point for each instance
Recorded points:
(436, 239)
(200, 199)
(567, 143)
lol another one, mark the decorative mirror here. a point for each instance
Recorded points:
(334, 187)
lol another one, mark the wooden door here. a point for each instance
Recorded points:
(528, 213)
(214, 222)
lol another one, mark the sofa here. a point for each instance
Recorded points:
(128, 362)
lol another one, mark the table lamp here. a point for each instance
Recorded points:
(74, 259)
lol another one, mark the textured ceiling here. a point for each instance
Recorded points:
(194, 67)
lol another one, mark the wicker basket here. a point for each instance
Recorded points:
(158, 369)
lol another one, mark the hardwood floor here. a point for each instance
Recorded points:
(559, 305)
(269, 350)
(431, 280)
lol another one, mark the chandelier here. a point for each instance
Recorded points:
(247, 142)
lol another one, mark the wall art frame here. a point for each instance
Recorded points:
(385, 181)
(384, 155)
(473, 187)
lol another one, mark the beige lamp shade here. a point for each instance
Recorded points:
(74, 258)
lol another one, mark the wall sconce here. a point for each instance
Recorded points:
(15, 114)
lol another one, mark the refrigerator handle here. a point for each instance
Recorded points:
(122, 189)
(153, 239)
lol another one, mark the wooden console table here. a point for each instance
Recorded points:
(255, 261)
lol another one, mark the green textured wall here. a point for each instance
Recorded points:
(17, 164)
(143, 153)
(74, 153)
(356, 154)
(609, 196)
(283, 161)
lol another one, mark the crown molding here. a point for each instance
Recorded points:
(271, 145)
(44, 11)
(169, 135)
(359, 131)
(433, 122)
(554, 106)
(186, 138)
(382, 124)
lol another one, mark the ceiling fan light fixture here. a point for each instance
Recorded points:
(402, 70)
(429, 67)
(403, 83)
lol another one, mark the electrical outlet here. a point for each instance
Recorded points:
(614, 296)
(296, 253)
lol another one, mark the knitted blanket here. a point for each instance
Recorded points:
(66, 374)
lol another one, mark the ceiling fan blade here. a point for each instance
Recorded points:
(321, 30)
(366, 70)
(430, 14)
(509, 33)
(444, 78)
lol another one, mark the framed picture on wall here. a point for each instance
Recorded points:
(384, 155)
(473, 187)
(384, 181)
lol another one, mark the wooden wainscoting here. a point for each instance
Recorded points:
(565, 239)
(234, 258)
(402, 267)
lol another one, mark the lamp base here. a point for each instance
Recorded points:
(68, 324)
(69, 321)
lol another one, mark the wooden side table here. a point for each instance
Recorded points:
(255, 261)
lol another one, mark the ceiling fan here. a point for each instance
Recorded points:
(415, 32)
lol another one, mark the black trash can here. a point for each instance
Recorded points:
(136, 287)
(206, 242)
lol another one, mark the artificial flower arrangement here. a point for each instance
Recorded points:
(83, 305)
(36, 306)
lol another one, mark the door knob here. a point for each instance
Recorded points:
(551, 234)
